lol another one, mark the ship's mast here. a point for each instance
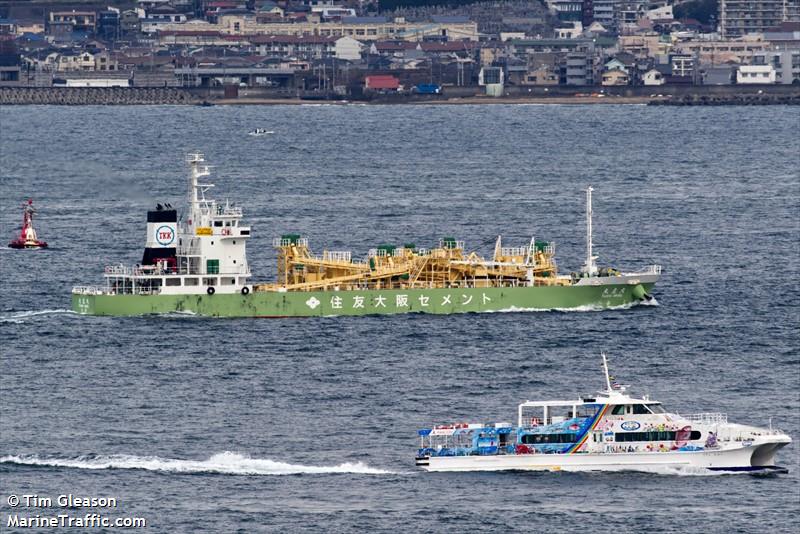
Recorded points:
(605, 369)
(591, 267)
(197, 198)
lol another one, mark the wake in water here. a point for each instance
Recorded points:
(19, 317)
(579, 309)
(228, 463)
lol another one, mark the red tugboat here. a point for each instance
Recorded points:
(27, 237)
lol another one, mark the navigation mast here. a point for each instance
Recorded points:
(590, 268)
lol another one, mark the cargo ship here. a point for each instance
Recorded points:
(198, 265)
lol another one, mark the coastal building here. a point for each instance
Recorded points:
(722, 75)
(682, 66)
(348, 49)
(10, 64)
(360, 28)
(721, 51)
(566, 9)
(578, 69)
(755, 74)
(79, 21)
(739, 17)
(84, 61)
(615, 77)
(544, 75)
(310, 46)
(523, 47)
(786, 64)
(382, 84)
(653, 77)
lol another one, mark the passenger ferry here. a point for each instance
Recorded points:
(612, 431)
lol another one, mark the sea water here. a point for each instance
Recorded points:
(199, 424)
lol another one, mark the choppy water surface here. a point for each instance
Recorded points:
(216, 425)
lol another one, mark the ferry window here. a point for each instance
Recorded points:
(173, 282)
(190, 281)
(695, 434)
(619, 409)
(535, 439)
(640, 409)
(217, 223)
(209, 281)
(656, 408)
(645, 436)
(245, 232)
(227, 223)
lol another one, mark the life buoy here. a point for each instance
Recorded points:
(211, 290)
(245, 290)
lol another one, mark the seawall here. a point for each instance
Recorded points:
(661, 95)
(79, 96)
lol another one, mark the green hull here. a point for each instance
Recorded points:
(369, 302)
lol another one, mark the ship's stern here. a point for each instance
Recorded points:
(84, 301)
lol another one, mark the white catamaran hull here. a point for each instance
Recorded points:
(755, 457)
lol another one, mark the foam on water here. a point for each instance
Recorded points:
(584, 308)
(229, 463)
(18, 317)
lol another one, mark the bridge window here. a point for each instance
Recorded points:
(217, 223)
(640, 409)
(619, 409)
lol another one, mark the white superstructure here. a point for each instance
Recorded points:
(612, 431)
(204, 253)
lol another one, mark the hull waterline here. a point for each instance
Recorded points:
(366, 302)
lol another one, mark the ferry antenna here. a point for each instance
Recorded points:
(605, 369)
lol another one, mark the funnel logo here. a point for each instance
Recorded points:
(313, 302)
(165, 235)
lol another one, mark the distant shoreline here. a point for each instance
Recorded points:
(444, 101)
(663, 96)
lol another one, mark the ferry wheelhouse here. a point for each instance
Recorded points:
(612, 431)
